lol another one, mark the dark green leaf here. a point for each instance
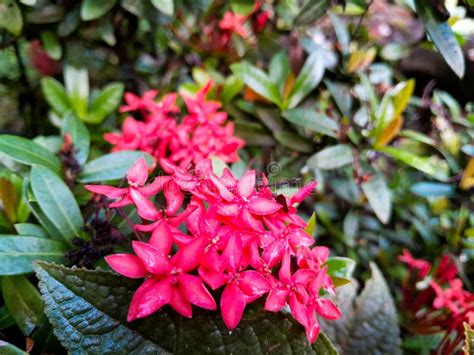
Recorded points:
(6, 319)
(165, 6)
(55, 95)
(105, 103)
(51, 44)
(10, 349)
(93, 9)
(72, 296)
(18, 252)
(311, 11)
(312, 120)
(307, 80)
(57, 202)
(28, 152)
(42, 219)
(369, 323)
(279, 70)
(23, 302)
(111, 166)
(379, 196)
(432, 189)
(258, 81)
(341, 94)
(79, 135)
(10, 17)
(332, 157)
(30, 229)
(442, 36)
(293, 141)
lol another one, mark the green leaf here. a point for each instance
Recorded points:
(331, 158)
(57, 202)
(28, 152)
(432, 189)
(10, 349)
(232, 87)
(294, 141)
(350, 227)
(313, 121)
(308, 79)
(79, 135)
(30, 229)
(23, 302)
(51, 44)
(311, 11)
(111, 166)
(442, 36)
(105, 103)
(341, 32)
(341, 94)
(279, 70)
(71, 295)
(468, 347)
(42, 219)
(402, 95)
(76, 81)
(93, 9)
(243, 7)
(429, 165)
(10, 17)
(258, 81)
(6, 319)
(368, 321)
(339, 266)
(165, 6)
(311, 225)
(18, 252)
(379, 196)
(55, 95)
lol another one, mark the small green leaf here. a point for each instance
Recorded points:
(311, 225)
(30, 229)
(341, 94)
(294, 141)
(79, 135)
(432, 189)
(76, 81)
(105, 103)
(111, 166)
(18, 252)
(341, 32)
(55, 95)
(51, 44)
(339, 266)
(313, 121)
(243, 7)
(402, 95)
(279, 70)
(232, 87)
(57, 202)
(28, 152)
(350, 227)
(10, 17)
(379, 196)
(165, 6)
(10, 349)
(308, 79)
(23, 302)
(93, 9)
(66, 291)
(311, 11)
(258, 81)
(331, 158)
(442, 36)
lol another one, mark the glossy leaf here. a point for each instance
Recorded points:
(93, 9)
(442, 36)
(313, 121)
(311, 11)
(6, 319)
(105, 103)
(10, 17)
(293, 141)
(341, 31)
(279, 69)
(31, 230)
(18, 252)
(311, 225)
(56, 95)
(23, 302)
(10, 349)
(258, 81)
(111, 166)
(51, 44)
(308, 79)
(76, 81)
(165, 6)
(340, 266)
(342, 96)
(432, 189)
(57, 202)
(28, 152)
(79, 135)
(389, 132)
(166, 331)
(331, 158)
(232, 87)
(379, 196)
(9, 199)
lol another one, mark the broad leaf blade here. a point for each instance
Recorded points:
(30, 229)
(332, 157)
(79, 135)
(166, 331)
(379, 196)
(55, 95)
(18, 252)
(105, 103)
(312, 120)
(10, 17)
(111, 166)
(57, 202)
(165, 6)
(311, 11)
(28, 152)
(93, 9)
(442, 36)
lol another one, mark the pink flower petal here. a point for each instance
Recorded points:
(155, 187)
(153, 259)
(299, 310)
(162, 238)
(262, 206)
(145, 208)
(213, 278)
(154, 297)
(127, 265)
(174, 197)
(228, 209)
(312, 331)
(232, 255)
(253, 284)
(246, 184)
(180, 304)
(194, 291)
(138, 173)
(274, 252)
(187, 258)
(302, 193)
(232, 305)
(276, 299)
(327, 309)
(109, 191)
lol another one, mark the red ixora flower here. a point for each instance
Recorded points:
(239, 238)
(200, 134)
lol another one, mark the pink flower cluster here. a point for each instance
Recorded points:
(239, 238)
(442, 306)
(200, 134)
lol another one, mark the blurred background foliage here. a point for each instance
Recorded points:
(354, 94)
